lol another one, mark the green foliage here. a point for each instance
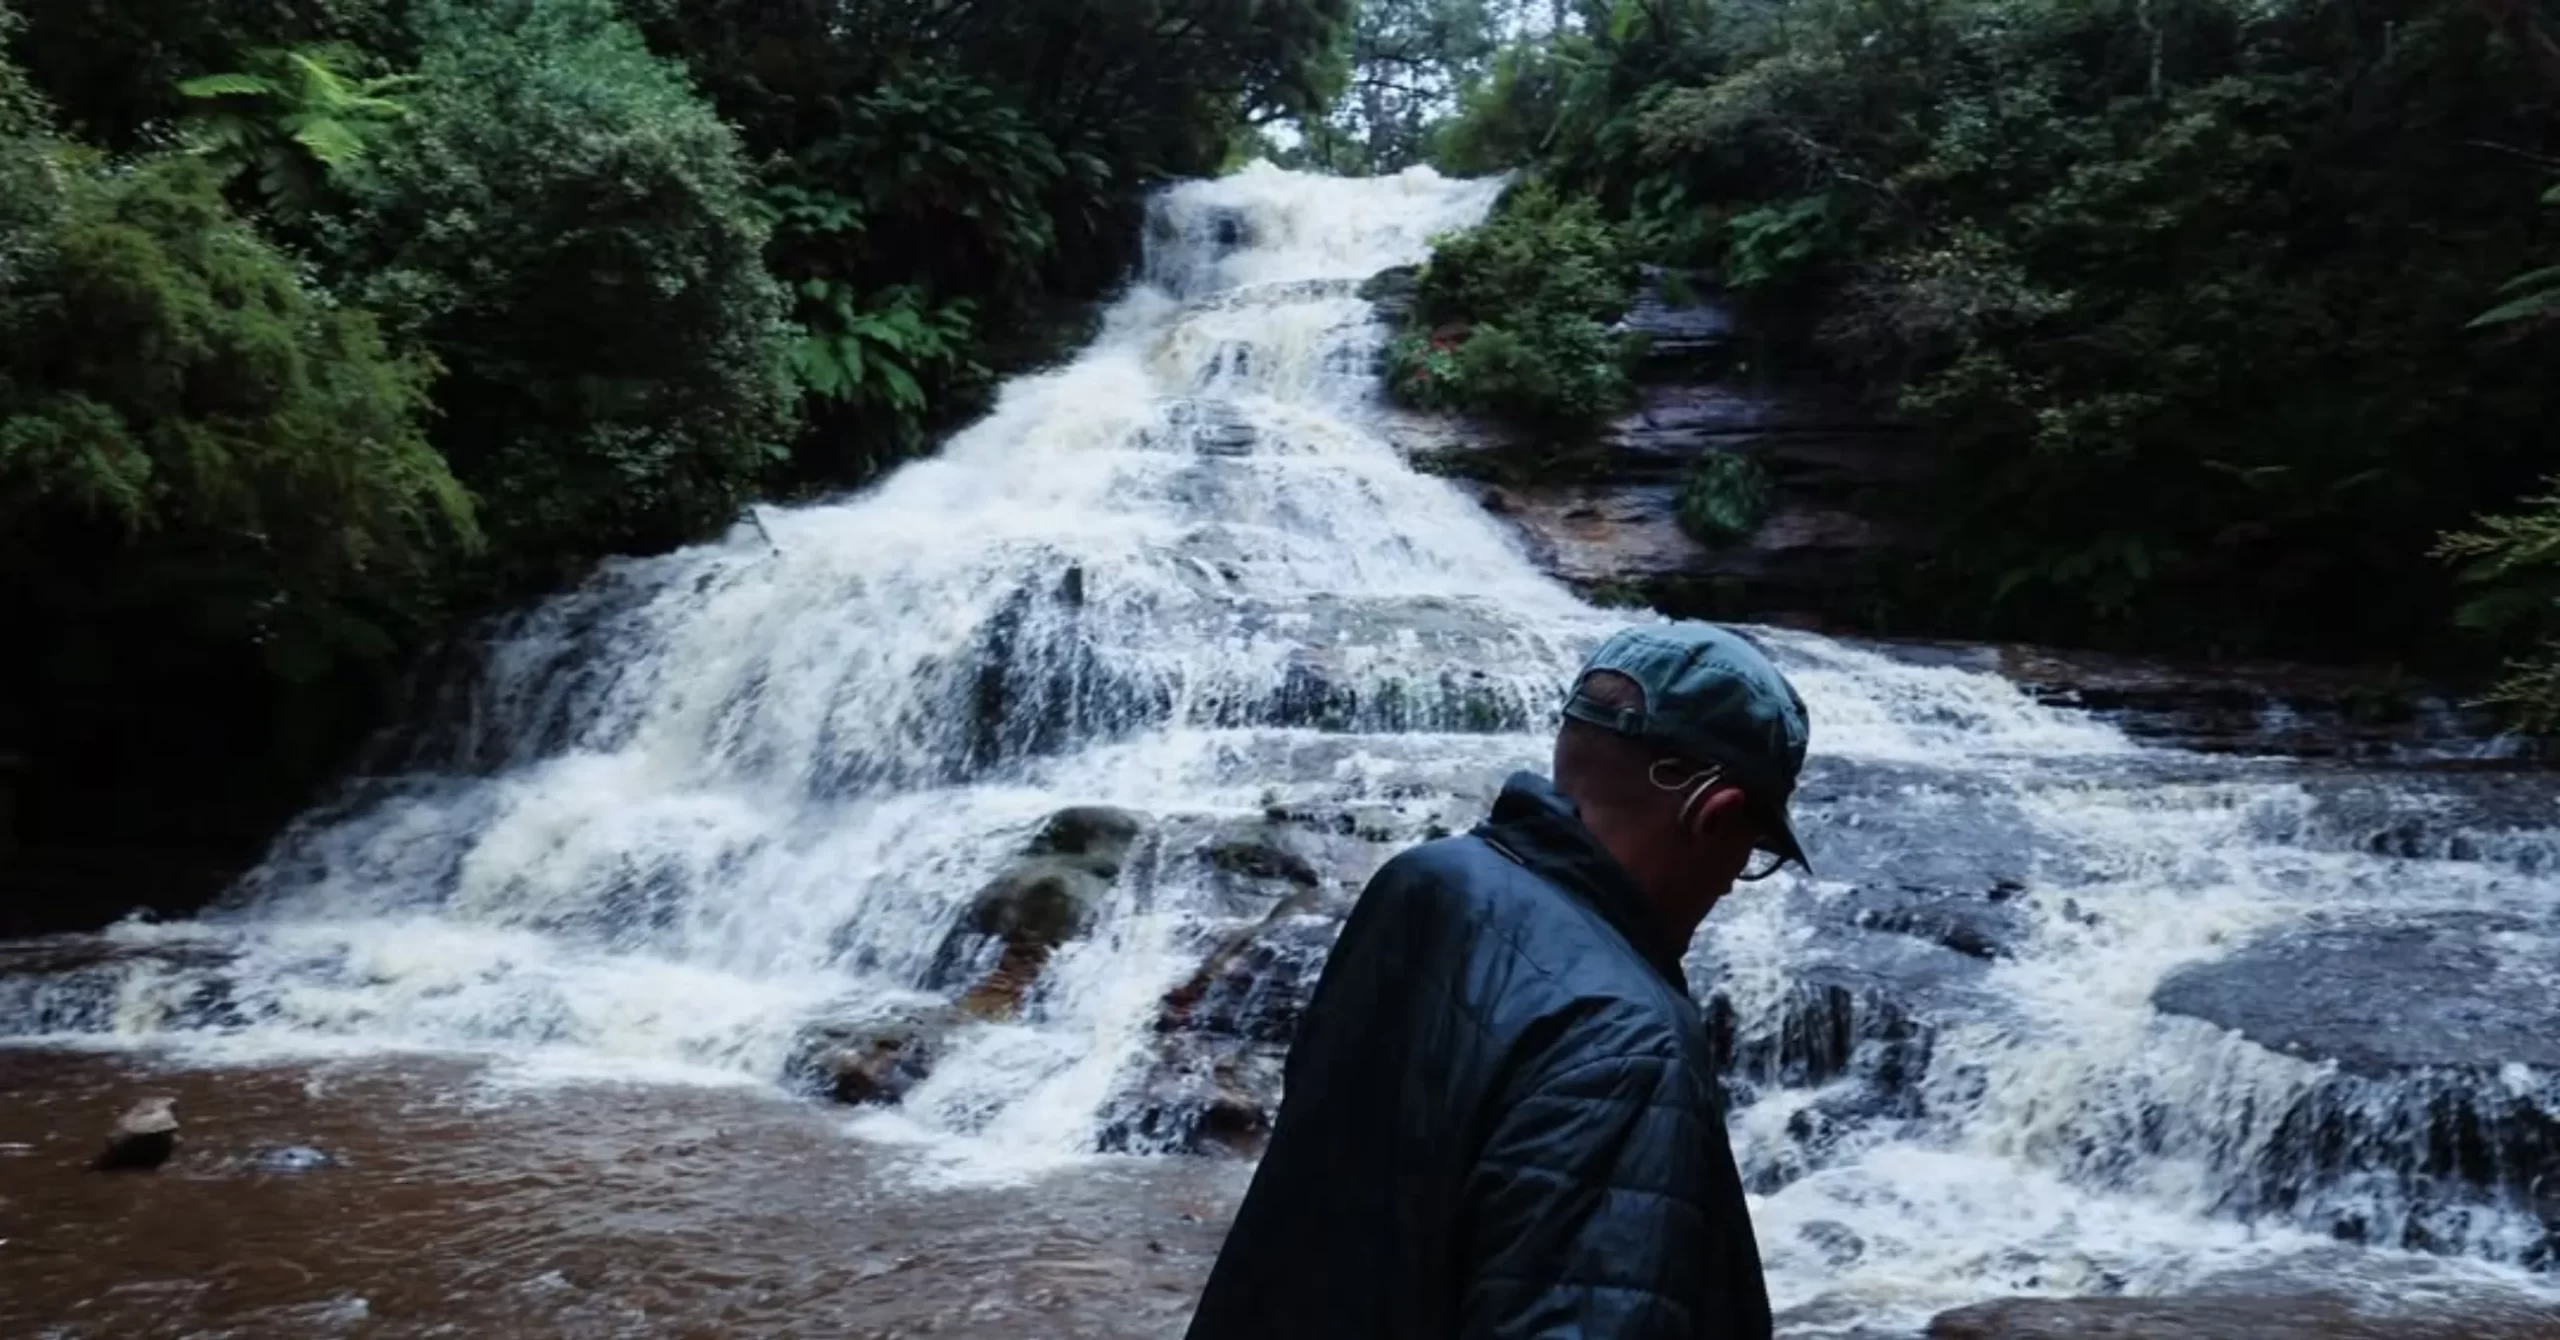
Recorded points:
(877, 353)
(29, 193)
(1776, 244)
(1725, 498)
(2182, 286)
(294, 120)
(1505, 120)
(1540, 252)
(1561, 374)
(114, 67)
(2511, 563)
(2532, 298)
(239, 457)
(1513, 318)
(570, 231)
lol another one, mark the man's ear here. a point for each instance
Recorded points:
(1707, 813)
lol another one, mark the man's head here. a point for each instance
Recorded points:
(1681, 746)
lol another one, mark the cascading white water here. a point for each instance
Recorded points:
(712, 796)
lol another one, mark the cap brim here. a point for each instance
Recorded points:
(1782, 837)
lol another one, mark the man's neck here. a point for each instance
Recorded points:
(1675, 919)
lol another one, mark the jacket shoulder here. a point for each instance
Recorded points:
(1567, 976)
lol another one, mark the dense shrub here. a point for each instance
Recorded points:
(2184, 287)
(2511, 562)
(210, 437)
(220, 525)
(569, 229)
(1515, 318)
(28, 192)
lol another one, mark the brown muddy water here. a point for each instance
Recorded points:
(452, 1206)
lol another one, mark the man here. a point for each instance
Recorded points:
(1501, 1117)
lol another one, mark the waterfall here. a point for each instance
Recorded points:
(662, 825)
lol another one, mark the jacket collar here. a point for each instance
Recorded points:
(1537, 826)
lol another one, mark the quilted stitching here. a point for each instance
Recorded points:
(1499, 1125)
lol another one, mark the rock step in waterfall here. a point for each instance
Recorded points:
(1016, 801)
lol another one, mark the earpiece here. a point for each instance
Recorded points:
(1693, 811)
(1693, 806)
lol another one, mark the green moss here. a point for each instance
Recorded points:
(1725, 499)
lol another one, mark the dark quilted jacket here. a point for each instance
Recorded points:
(1500, 1120)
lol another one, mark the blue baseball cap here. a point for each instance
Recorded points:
(1712, 697)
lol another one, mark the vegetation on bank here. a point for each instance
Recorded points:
(2231, 316)
(326, 326)
(1514, 318)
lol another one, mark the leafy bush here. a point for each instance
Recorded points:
(1561, 373)
(1725, 498)
(233, 453)
(28, 192)
(570, 230)
(1514, 318)
(2183, 287)
(1540, 252)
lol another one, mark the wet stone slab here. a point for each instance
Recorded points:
(2440, 1038)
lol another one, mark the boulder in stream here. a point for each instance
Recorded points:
(1213, 1084)
(142, 1139)
(876, 1060)
(1050, 895)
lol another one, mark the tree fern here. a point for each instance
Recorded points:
(294, 120)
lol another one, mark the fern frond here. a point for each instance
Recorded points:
(230, 86)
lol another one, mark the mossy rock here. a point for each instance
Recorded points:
(1726, 499)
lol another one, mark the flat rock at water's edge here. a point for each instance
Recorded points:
(2248, 707)
(2308, 1317)
(2470, 992)
(2445, 1034)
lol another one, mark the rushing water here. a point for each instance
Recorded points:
(668, 821)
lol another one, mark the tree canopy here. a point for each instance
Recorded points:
(2224, 314)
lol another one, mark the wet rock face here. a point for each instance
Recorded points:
(1213, 1085)
(876, 1060)
(2243, 707)
(1049, 896)
(2309, 1317)
(1391, 292)
(1603, 515)
(2464, 992)
(1681, 336)
(2444, 1032)
(1256, 984)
